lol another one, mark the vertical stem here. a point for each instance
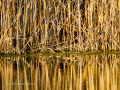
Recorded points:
(45, 20)
(4, 21)
(79, 33)
(17, 37)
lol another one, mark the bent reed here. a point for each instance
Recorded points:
(59, 25)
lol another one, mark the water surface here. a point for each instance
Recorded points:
(67, 72)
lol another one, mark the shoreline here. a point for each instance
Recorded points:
(59, 53)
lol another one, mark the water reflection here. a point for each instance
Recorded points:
(70, 72)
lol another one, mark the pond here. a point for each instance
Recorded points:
(60, 72)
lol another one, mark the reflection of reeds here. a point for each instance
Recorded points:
(61, 25)
(80, 72)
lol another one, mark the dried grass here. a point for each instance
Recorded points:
(34, 25)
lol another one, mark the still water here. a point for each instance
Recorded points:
(67, 72)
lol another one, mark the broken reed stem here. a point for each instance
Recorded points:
(28, 25)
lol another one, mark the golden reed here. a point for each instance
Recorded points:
(59, 25)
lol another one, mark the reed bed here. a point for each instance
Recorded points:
(67, 73)
(59, 25)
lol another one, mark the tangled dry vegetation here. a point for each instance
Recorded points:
(59, 25)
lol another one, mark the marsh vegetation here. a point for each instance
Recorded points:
(59, 25)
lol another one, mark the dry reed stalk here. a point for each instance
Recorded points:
(4, 26)
(54, 79)
(18, 73)
(36, 78)
(24, 27)
(107, 77)
(74, 77)
(79, 21)
(25, 76)
(45, 20)
(18, 23)
(8, 23)
(47, 79)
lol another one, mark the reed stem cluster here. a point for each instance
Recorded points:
(59, 25)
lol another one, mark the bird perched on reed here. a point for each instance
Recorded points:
(99, 33)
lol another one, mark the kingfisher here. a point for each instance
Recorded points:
(99, 33)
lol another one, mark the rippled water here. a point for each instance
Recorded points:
(68, 72)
